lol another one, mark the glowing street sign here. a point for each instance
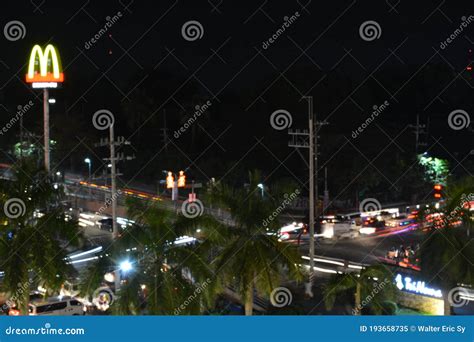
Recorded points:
(419, 287)
(44, 67)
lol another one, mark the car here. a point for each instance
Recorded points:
(293, 231)
(57, 306)
(351, 234)
(106, 224)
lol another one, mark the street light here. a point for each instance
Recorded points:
(126, 266)
(260, 185)
(89, 163)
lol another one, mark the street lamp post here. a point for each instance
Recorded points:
(89, 164)
(262, 187)
(124, 267)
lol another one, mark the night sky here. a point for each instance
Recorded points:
(143, 67)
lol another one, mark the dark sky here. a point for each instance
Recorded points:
(145, 33)
(321, 53)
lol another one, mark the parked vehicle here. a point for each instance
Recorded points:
(57, 306)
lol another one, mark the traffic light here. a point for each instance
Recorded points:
(181, 179)
(170, 181)
(437, 191)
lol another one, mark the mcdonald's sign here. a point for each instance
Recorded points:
(44, 67)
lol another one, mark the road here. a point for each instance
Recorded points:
(363, 250)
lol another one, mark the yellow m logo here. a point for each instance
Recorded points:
(47, 59)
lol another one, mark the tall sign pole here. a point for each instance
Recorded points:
(47, 151)
(44, 72)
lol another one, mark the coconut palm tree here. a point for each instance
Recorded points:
(172, 279)
(252, 259)
(447, 252)
(32, 245)
(373, 288)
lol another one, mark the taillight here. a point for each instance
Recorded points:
(14, 312)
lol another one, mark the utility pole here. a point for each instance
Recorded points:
(312, 191)
(47, 161)
(111, 142)
(326, 191)
(418, 130)
(113, 176)
(309, 139)
(164, 131)
(21, 137)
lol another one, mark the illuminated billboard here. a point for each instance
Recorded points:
(44, 67)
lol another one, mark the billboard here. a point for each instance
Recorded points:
(44, 67)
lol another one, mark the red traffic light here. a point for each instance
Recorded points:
(438, 187)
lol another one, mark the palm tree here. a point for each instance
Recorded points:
(173, 280)
(33, 246)
(447, 253)
(373, 288)
(252, 259)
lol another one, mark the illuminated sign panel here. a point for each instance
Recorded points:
(181, 179)
(44, 67)
(407, 284)
(170, 181)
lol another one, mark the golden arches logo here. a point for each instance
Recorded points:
(49, 65)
